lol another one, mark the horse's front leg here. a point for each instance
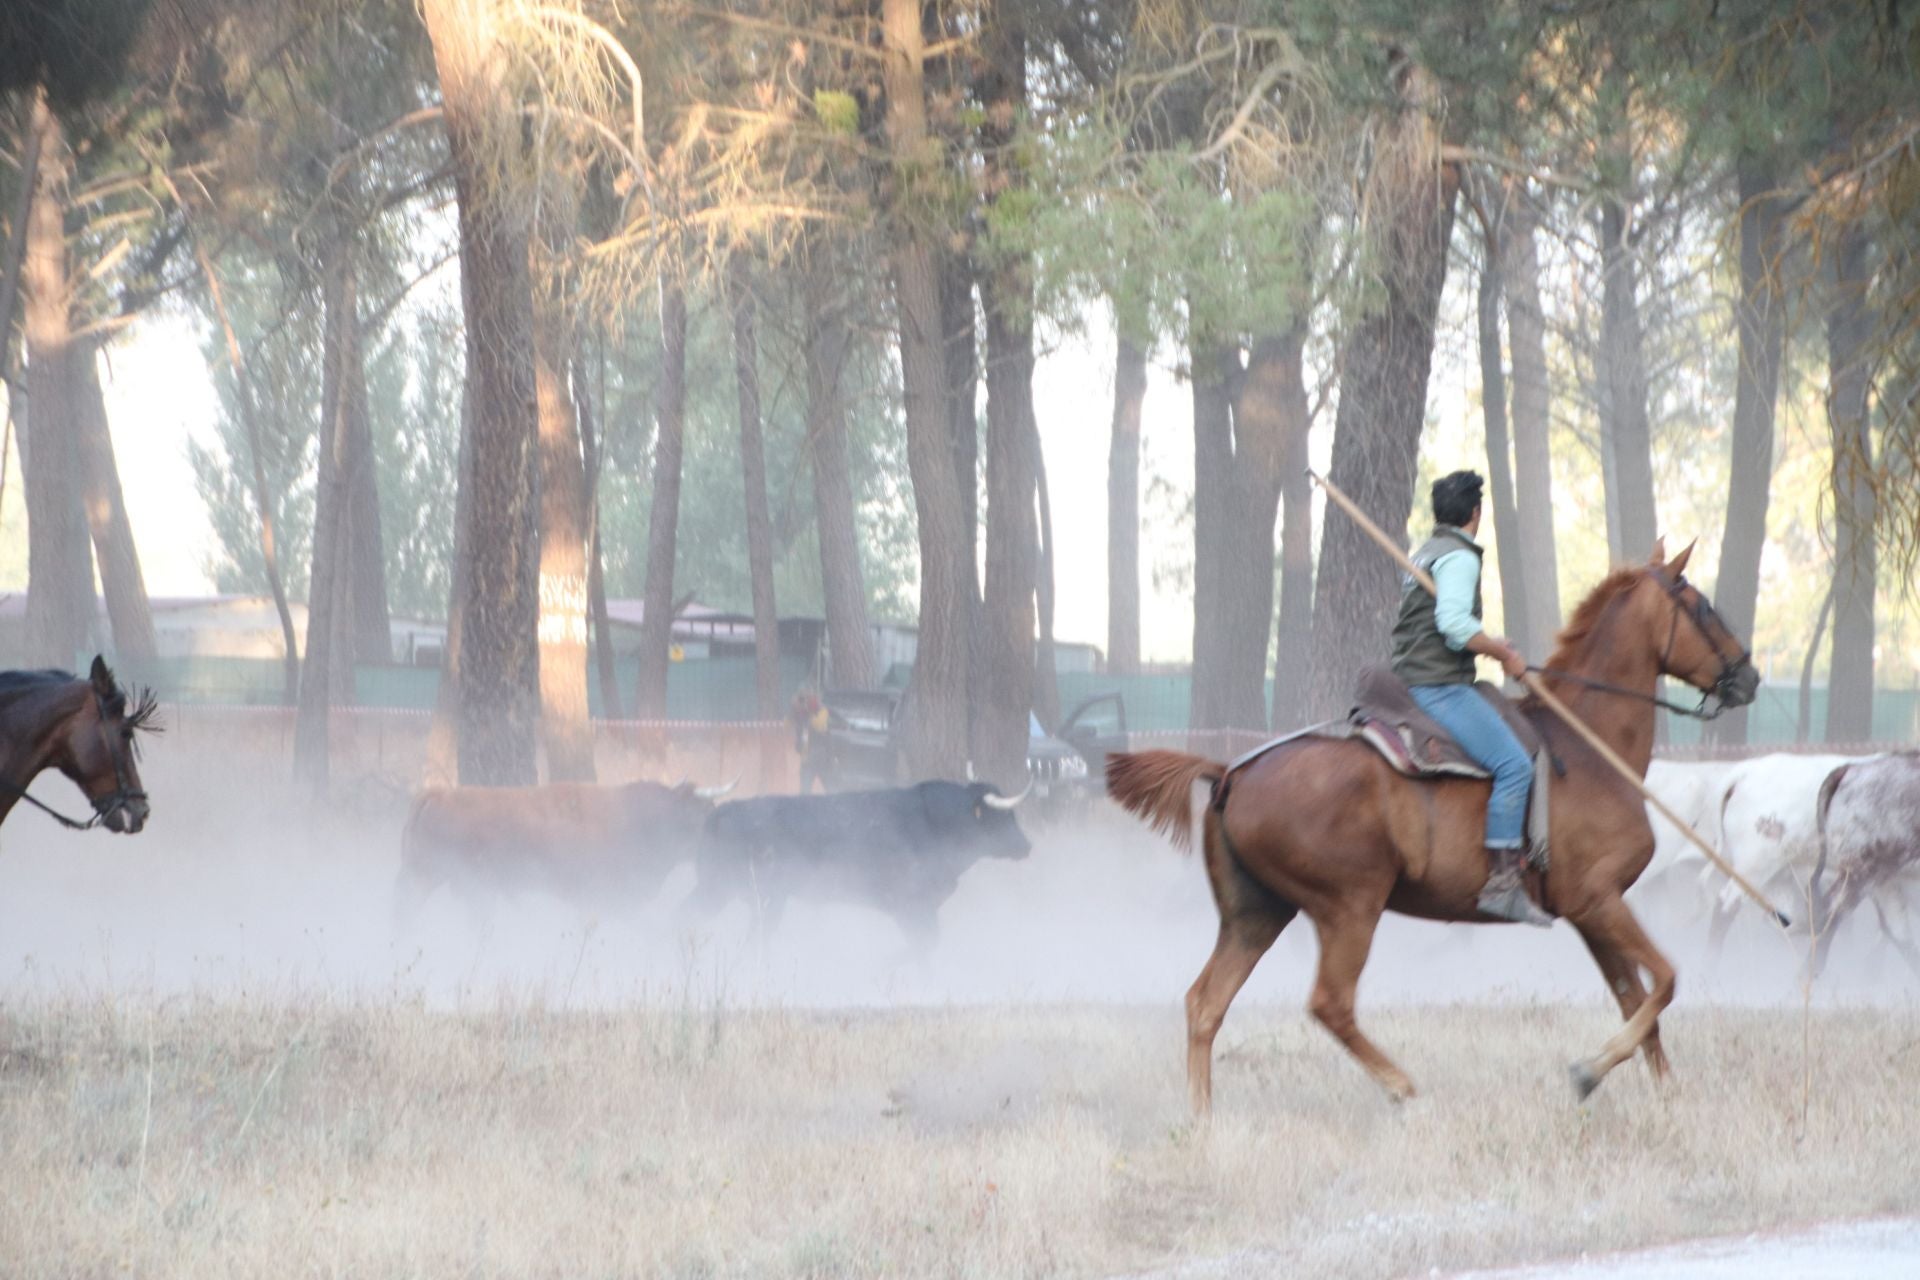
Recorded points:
(1610, 929)
(1623, 980)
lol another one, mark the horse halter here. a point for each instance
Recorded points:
(120, 796)
(1704, 617)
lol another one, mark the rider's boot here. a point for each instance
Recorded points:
(1505, 897)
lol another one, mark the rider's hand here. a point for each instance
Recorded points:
(1512, 663)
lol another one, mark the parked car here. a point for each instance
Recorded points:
(1067, 769)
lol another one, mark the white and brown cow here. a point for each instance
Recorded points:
(1765, 815)
(1868, 815)
(589, 844)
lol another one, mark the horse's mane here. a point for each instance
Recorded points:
(1587, 616)
(15, 684)
(143, 710)
(142, 705)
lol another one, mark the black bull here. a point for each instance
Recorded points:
(902, 851)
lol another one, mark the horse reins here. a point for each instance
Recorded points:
(121, 794)
(1698, 615)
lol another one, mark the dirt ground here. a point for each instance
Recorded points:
(1875, 1249)
(219, 1058)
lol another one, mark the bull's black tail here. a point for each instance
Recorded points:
(1157, 787)
(415, 882)
(1816, 890)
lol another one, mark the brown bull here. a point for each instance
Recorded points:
(589, 844)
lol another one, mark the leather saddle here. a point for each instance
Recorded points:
(1386, 717)
(1385, 714)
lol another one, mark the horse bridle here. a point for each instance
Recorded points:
(122, 794)
(1703, 616)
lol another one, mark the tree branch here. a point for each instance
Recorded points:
(1548, 177)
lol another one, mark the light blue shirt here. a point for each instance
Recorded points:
(1455, 575)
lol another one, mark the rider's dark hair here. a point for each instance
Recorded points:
(1455, 497)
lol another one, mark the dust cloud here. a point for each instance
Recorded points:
(251, 892)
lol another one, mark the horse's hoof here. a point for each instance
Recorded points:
(1584, 1080)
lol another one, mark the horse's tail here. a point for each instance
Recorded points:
(1157, 788)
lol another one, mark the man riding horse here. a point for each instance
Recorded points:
(1435, 642)
(1327, 826)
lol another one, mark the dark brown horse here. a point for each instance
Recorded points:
(1327, 828)
(83, 728)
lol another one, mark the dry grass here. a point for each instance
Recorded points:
(203, 1138)
(216, 1061)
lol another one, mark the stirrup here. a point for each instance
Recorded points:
(1504, 897)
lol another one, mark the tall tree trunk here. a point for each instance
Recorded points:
(1293, 634)
(1123, 506)
(663, 521)
(1383, 397)
(1212, 369)
(29, 180)
(1762, 326)
(1268, 415)
(443, 735)
(960, 333)
(1493, 404)
(499, 661)
(1531, 402)
(753, 475)
(1242, 418)
(959, 326)
(1849, 381)
(1241, 421)
(1623, 368)
(329, 667)
(1004, 672)
(841, 579)
(1609, 449)
(1003, 682)
(59, 562)
(121, 581)
(565, 728)
(591, 454)
(263, 503)
(1046, 671)
(372, 629)
(935, 730)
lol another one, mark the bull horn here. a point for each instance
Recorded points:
(970, 777)
(714, 793)
(1006, 802)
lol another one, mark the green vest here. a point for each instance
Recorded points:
(1421, 655)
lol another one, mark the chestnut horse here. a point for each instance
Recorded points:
(83, 728)
(1326, 827)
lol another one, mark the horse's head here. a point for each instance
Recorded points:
(1700, 648)
(96, 749)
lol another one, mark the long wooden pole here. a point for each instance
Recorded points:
(1539, 689)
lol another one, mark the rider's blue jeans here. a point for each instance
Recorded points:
(1482, 734)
